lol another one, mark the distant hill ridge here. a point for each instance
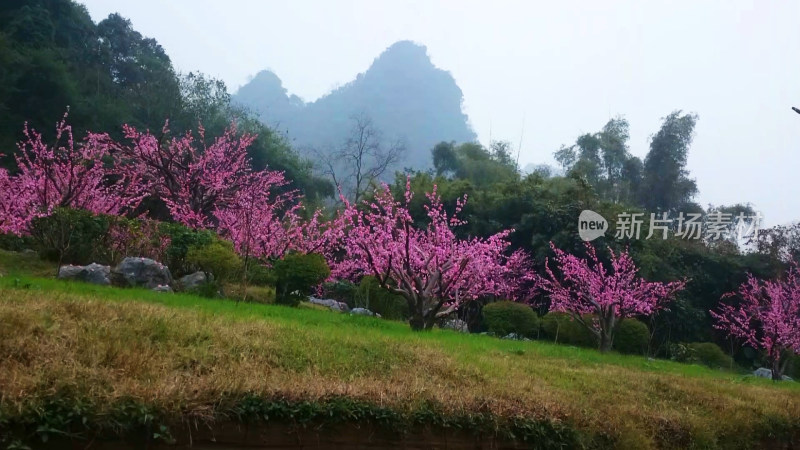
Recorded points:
(404, 94)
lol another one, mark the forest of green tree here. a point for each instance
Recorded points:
(54, 58)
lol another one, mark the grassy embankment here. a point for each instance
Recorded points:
(87, 360)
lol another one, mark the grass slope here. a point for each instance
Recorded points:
(184, 358)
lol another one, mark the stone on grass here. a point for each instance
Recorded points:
(455, 325)
(162, 288)
(330, 303)
(363, 312)
(515, 337)
(194, 280)
(93, 273)
(763, 372)
(140, 272)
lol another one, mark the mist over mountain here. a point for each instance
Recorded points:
(406, 97)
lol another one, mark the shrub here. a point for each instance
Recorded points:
(705, 353)
(631, 336)
(136, 237)
(260, 275)
(793, 366)
(378, 299)
(296, 274)
(561, 328)
(70, 236)
(15, 243)
(506, 317)
(217, 258)
(181, 239)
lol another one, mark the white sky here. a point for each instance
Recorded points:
(563, 68)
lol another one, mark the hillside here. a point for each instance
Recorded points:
(95, 363)
(404, 94)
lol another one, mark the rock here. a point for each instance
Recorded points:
(362, 312)
(330, 303)
(93, 273)
(456, 325)
(162, 288)
(763, 372)
(194, 280)
(141, 272)
(28, 252)
(515, 337)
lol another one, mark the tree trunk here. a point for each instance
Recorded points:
(777, 369)
(605, 341)
(422, 320)
(417, 322)
(607, 325)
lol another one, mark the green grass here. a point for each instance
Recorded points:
(183, 356)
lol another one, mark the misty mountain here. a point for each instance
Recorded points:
(406, 97)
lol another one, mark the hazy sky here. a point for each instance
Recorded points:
(560, 68)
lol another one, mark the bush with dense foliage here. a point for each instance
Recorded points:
(217, 258)
(377, 299)
(181, 239)
(505, 317)
(135, 237)
(70, 236)
(260, 275)
(297, 274)
(705, 353)
(562, 328)
(632, 336)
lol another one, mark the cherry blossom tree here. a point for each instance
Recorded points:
(586, 287)
(259, 220)
(192, 178)
(72, 175)
(767, 317)
(431, 268)
(16, 205)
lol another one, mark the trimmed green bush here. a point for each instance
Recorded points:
(296, 274)
(181, 239)
(561, 328)
(70, 236)
(15, 243)
(217, 258)
(632, 337)
(705, 353)
(260, 275)
(711, 355)
(377, 299)
(504, 317)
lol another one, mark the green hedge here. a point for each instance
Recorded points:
(505, 317)
(632, 336)
(561, 328)
(296, 275)
(705, 353)
(71, 236)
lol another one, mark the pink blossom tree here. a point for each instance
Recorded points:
(196, 180)
(16, 205)
(259, 220)
(66, 174)
(431, 268)
(586, 287)
(767, 317)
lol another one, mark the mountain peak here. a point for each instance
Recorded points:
(404, 94)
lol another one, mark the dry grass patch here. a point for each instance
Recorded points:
(189, 357)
